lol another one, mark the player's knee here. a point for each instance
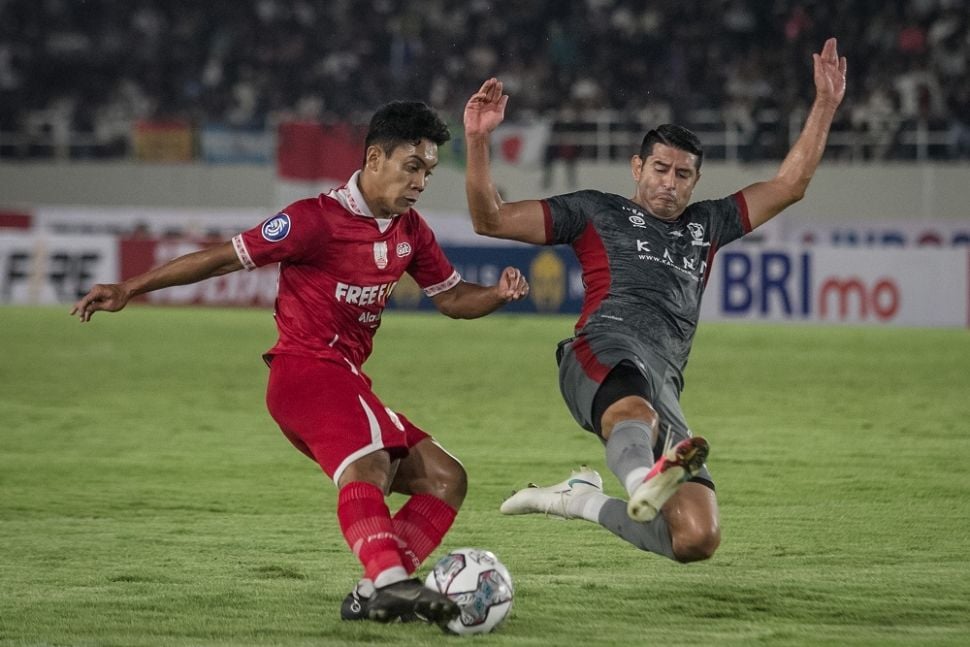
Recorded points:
(459, 485)
(628, 408)
(696, 544)
(449, 482)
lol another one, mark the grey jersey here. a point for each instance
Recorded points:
(643, 276)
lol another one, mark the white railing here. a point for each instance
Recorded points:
(601, 137)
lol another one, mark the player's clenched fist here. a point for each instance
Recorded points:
(512, 285)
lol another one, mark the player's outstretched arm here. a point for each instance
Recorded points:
(491, 216)
(470, 300)
(766, 199)
(190, 268)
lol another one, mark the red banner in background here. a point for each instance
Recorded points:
(15, 220)
(522, 145)
(312, 151)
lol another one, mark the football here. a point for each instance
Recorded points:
(479, 584)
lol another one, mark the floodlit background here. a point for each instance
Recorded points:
(153, 126)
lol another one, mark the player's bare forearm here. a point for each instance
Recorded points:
(470, 300)
(491, 216)
(190, 268)
(767, 199)
(484, 201)
(799, 166)
(183, 270)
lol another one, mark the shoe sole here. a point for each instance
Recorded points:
(647, 500)
(439, 613)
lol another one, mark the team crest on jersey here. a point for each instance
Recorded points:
(380, 255)
(276, 228)
(403, 249)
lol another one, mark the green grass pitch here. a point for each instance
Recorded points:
(146, 497)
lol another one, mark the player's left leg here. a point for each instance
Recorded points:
(436, 483)
(687, 530)
(694, 522)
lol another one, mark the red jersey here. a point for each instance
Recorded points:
(338, 266)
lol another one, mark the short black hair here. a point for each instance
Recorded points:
(675, 137)
(400, 122)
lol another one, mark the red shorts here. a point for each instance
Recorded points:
(328, 411)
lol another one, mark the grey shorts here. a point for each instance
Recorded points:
(586, 361)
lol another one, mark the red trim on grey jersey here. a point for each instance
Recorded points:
(745, 220)
(547, 220)
(745, 226)
(596, 370)
(592, 257)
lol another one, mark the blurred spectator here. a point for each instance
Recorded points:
(78, 74)
(559, 151)
(875, 118)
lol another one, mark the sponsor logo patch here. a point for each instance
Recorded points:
(276, 228)
(403, 249)
(697, 233)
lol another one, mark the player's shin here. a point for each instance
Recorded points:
(421, 524)
(629, 453)
(366, 525)
(653, 536)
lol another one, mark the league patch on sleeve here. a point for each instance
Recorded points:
(276, 228)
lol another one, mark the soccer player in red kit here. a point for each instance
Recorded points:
(340, 256)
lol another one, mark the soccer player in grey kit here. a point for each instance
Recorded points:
(645, 261)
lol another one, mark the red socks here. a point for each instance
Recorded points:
(382, 544)
(366, 525)
(421, 523)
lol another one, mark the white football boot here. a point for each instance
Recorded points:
(553, 499)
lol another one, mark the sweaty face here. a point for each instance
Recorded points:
(665, 180)
(393, 183)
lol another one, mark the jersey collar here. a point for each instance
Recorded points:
(352, 199)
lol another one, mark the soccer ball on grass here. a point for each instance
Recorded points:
(478, 583)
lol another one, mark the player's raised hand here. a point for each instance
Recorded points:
(512, 285)
(485, 109)
(109, 297)
(829, 73)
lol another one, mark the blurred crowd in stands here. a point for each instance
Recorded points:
(92, 68)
